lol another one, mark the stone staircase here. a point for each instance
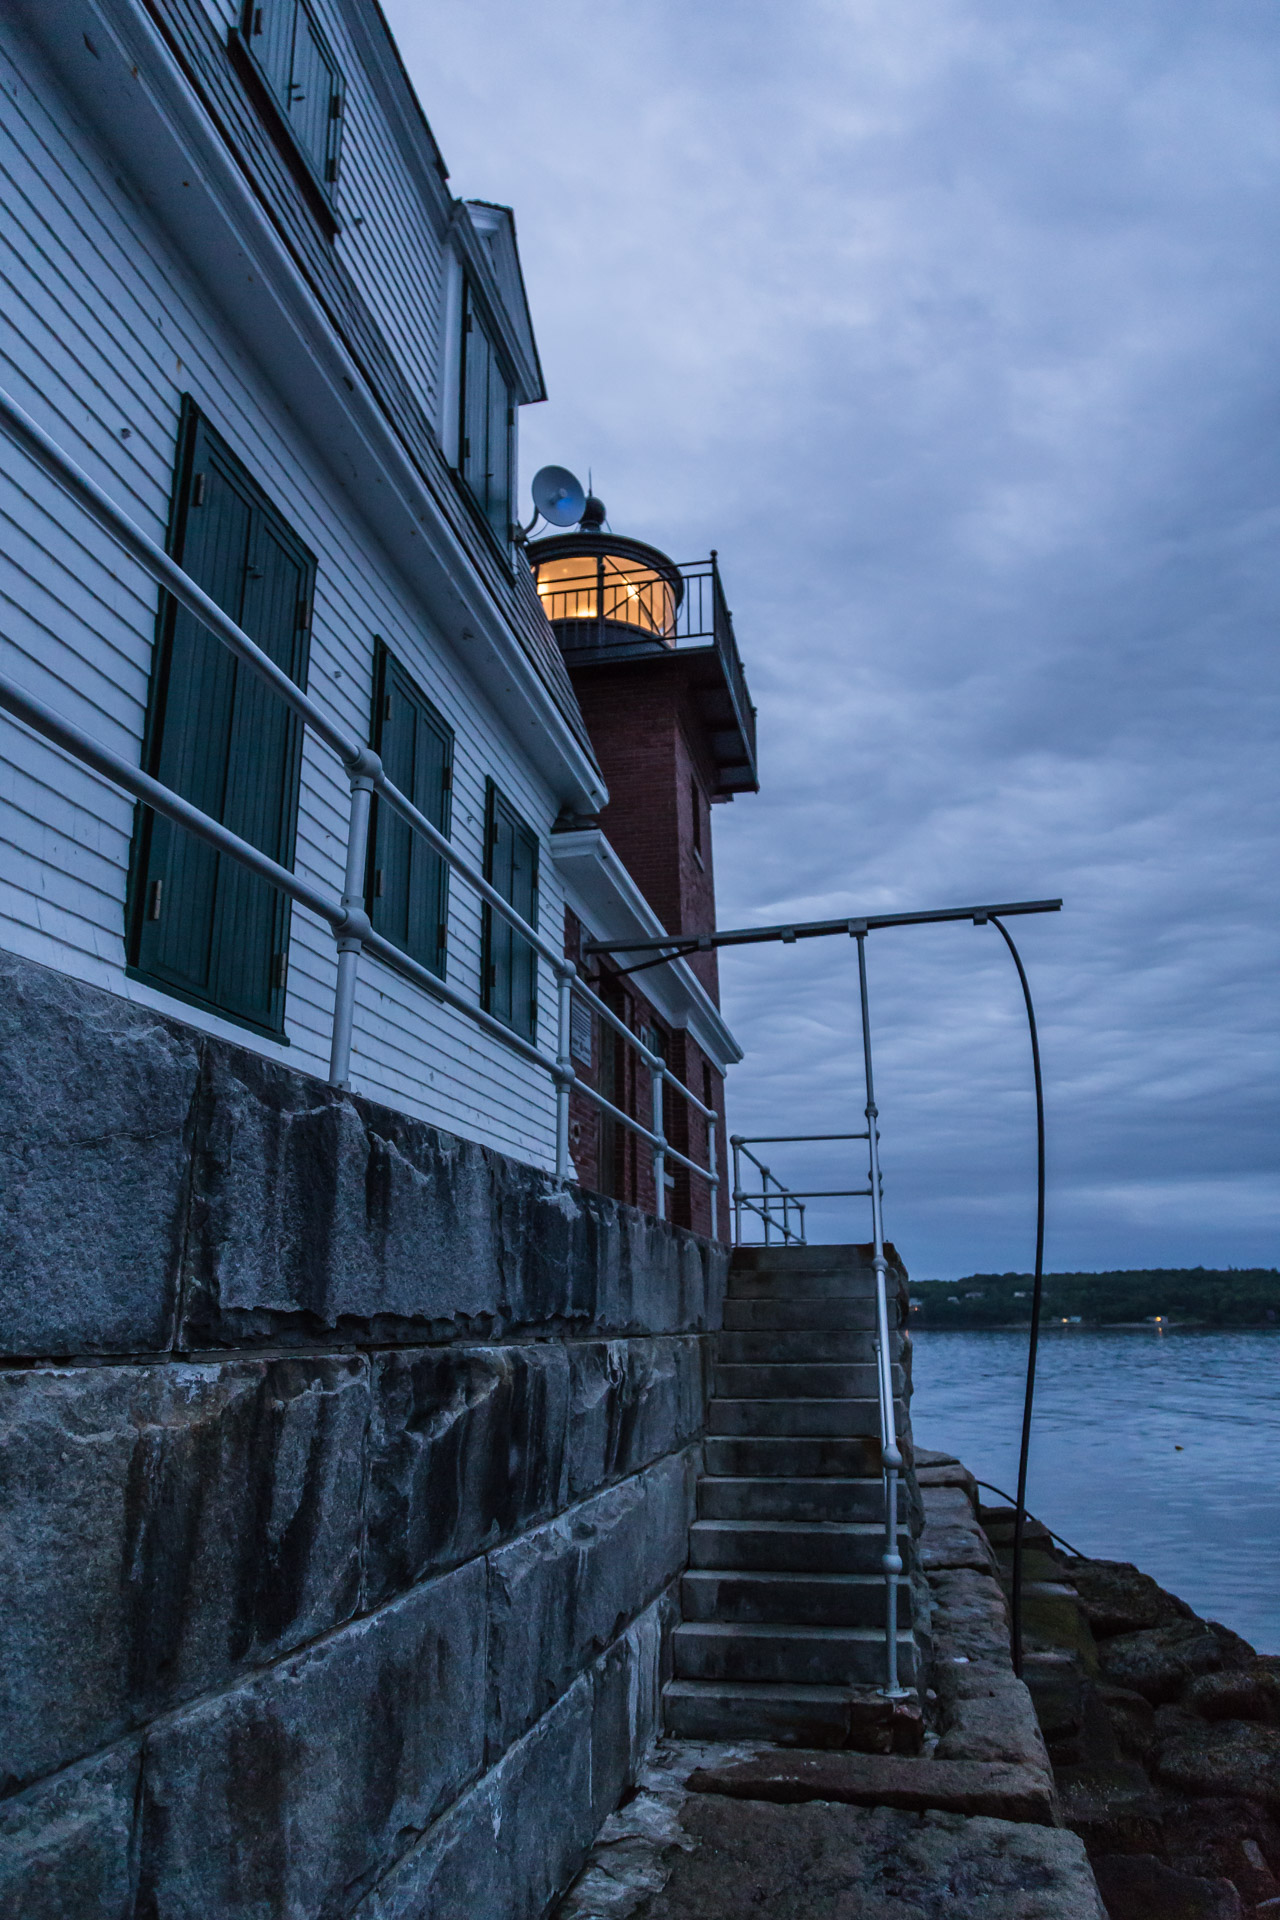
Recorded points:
(783, 1601)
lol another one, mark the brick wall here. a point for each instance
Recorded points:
(648, 742)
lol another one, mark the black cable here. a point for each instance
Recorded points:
(1020, 1505)
(1074, 1551)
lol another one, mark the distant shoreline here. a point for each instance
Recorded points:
(1149, 1299)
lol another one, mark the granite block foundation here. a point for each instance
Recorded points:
(346, 1469)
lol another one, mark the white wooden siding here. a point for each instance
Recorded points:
(102, 329)
(388, 240)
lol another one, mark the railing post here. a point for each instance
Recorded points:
(349, 936)
(890, 1453)
(659, 1154)
(564, 1060)
(765, 1209)
(713, 1185)
(735, 1147)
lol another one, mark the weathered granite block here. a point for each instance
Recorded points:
(96, 1099)
(626, 1705)
(295, 1792)
(304, 1221)
(559, 1595)
(509, 1846)
(631, 1402)
(65, 1843)
(161, 1527)
(314, 1213)
(467, 1447)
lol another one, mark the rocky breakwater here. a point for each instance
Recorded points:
(1163, 1730)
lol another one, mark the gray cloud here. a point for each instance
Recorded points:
(952, 326)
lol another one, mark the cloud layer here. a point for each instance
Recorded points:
(952, 325)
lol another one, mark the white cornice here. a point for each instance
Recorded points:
(599, 889)
(126, 82)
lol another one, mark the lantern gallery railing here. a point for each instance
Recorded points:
(345, 915)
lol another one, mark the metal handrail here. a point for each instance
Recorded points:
(890, 1453)
(765, 1204)
(346, 917)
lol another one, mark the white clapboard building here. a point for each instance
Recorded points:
(242, 299)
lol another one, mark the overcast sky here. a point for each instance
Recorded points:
(953, 325)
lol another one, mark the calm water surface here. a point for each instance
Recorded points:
(1112, 1410)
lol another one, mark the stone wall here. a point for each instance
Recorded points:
(345, 1471)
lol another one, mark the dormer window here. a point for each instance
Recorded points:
(302, 78)
(486, 426)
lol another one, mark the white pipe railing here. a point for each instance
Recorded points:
(766, 1204)
(346, 917)
(890, 1452)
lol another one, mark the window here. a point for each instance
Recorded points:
(200, 926)
(487, 425)
(408, 889)
(302, 77)
(510, 983)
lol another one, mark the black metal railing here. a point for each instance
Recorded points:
(633, 611)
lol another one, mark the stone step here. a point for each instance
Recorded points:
(721, 1498)
(789, 1599)
(752, 1456)
(838, 1256)
(815, 1656)
(832, 1283)
(769, 1315)
(768, 1418)
(815, 1718)
(807, 1380)
(804, 1546)
(814, 1344)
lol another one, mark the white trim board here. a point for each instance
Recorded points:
(605, 898)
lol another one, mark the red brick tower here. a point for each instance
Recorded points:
(651, 652)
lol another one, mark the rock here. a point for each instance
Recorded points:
(1137, 1886)
(1131, 1717)
(1234, 1839)
(971, 1622)
(1114, 1809)
(162, 1529)
(825, 1862)
(1224, 1757)
(466, 1448)
(560, 1594)
(996, 1723)
(95, 1129)
(65, 1844)
(1246, 1693)
(510, 1844)
(296, 1791)
(1116, 1598)
(864, 1780)
(1159, 1661)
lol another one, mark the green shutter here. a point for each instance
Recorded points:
(303, 76)
(487, 422)
(510, 984)
(408, 889)
(201, 926)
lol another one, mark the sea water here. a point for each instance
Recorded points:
(1158, 1447)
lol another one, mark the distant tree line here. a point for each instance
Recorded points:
(1200, 1296)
